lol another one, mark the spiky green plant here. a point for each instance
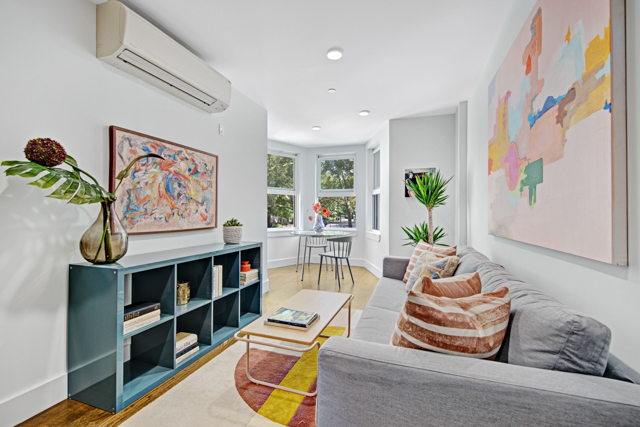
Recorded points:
(421, 232)
(232, 223)
(429, 189)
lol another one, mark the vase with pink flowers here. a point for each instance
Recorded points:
(318, 226)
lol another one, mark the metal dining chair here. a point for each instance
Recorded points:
(340, 250)
(313, 242)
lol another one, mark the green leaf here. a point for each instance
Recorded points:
(13, 162)
(47, 180)
(86, 192)
(60, 192)
(78, 198)
(71, 161)
(421, 232)
(125, 172)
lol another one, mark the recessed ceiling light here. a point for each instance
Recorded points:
(335, 53)
(316, 128)
(364, 112)
(332, 90)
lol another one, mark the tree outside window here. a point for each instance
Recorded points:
(337, 191)
(281, 196)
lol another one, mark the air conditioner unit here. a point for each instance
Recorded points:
(127, 41)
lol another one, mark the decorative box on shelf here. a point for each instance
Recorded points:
(99, 374)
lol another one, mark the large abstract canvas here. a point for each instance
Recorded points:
(178, 193)
(557, 139)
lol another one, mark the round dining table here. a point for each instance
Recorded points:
(313, 233)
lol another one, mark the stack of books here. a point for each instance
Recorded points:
(248, 276)
(139, 315)
(217, 280)
(186, 345)
(294, 319)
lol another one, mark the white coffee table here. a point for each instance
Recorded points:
(326, 304)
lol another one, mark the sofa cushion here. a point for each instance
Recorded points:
(425, 257)
(464, 285)
(543, 333)
(386, 295)
(472, 326)
(420, 248)
(375, 325)
(470, 260)
(618, 370)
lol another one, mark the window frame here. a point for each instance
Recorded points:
(374, 192)
(287, 192)
(337, 192)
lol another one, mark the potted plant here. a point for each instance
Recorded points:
(106, 241)
(232, 231)
(429, 190)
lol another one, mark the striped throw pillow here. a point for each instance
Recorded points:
(474, 326)
(463, 285)
(421, 247)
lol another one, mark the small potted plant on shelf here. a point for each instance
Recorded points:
(232, 231)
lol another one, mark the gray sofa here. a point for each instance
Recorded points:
(364, 381)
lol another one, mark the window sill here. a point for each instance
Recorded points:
(281, 232)
(373, 235)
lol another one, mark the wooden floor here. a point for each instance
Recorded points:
(283, 283)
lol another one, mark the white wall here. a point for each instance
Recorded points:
(55, 87)
(421, 142)
(283, 248)
(605, 292)
(377, 243)
(461, 174)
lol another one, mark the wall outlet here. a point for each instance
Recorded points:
(221, 129)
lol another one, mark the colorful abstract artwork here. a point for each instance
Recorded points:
(178, 193)
(553, 135)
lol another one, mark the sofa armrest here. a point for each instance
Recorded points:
(394, 267)
(364, 384)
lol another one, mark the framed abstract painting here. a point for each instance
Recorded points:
(179, 193)
(557, 132)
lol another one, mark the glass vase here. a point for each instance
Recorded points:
(106, 241)
(319, 224)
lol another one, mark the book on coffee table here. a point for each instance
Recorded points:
(296, 319)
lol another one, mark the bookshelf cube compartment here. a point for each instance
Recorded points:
(155, 285)
(226, 313)
(151, 362)
(253, 256)
(199, 274)
(199, 322)
(230, 263)
(250, 305)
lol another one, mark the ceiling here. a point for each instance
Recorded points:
(401, 57)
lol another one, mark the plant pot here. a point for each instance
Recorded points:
(106, 241)
(231, 235)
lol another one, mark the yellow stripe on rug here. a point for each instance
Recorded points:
(282, 405)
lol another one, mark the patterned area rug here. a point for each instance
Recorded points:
(211, 395)
(288, 370)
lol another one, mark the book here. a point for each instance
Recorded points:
(184, 356)
(132, 311)
(187, 349)
(248, 276)
(142, 324)
(139, 319)
(184, 340)
(297, 319)
(217, 281)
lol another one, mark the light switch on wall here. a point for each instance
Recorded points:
(221, 129)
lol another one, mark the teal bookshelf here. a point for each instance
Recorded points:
(99, 375)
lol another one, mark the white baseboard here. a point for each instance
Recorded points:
(277, 263)
(32, 402)
(373, 269)
(265, 286)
